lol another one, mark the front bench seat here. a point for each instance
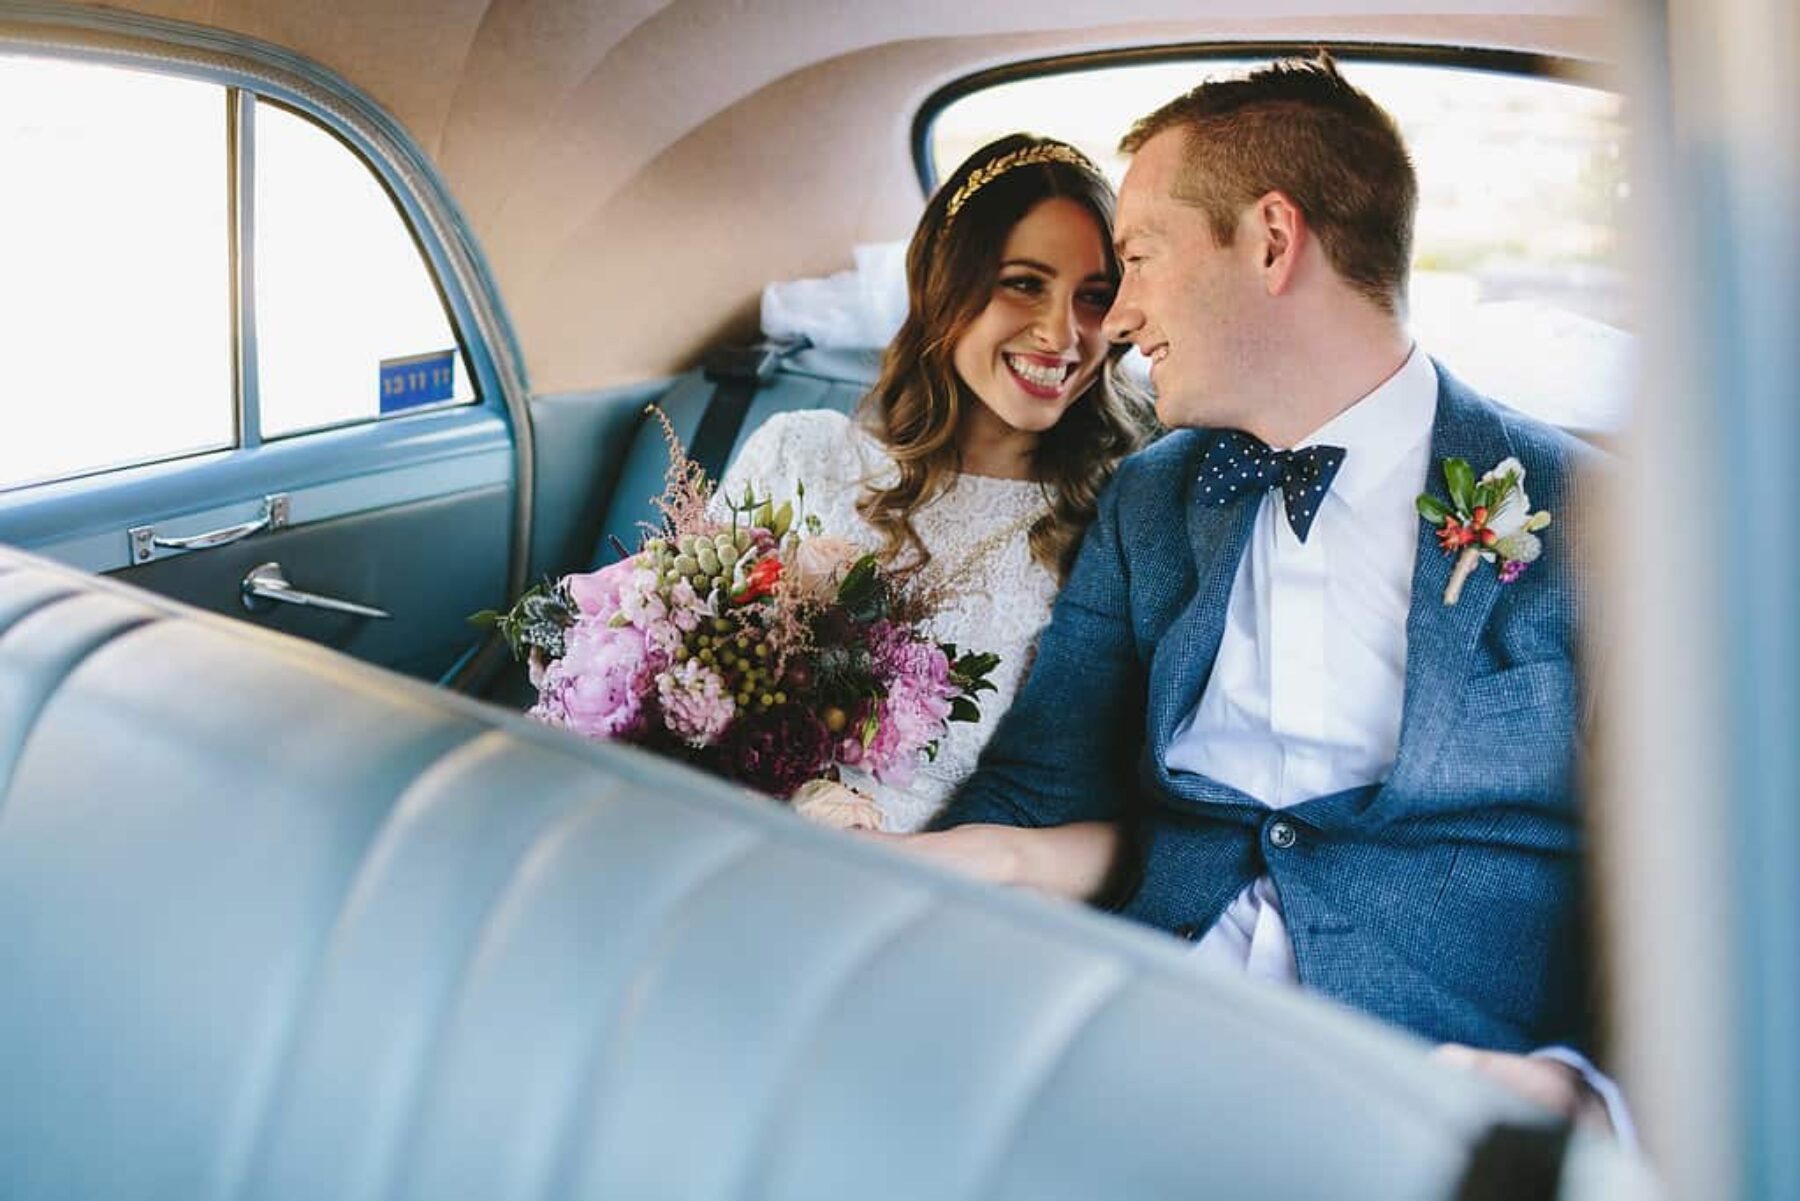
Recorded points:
(274, 924)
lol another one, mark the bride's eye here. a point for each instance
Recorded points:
(1024, 285)
(1096, 298)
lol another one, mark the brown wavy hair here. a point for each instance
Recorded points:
(915, 408)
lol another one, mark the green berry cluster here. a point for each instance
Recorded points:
(742, 658)
(705, 561)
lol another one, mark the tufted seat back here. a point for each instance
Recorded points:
(277, 925)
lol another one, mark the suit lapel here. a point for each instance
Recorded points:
(1440, 638)
(1184, 658)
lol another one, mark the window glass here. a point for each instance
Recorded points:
(349, 324)
(115, 276)
(1522, 185)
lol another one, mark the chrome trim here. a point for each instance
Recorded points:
(145, 543)
(267, 585)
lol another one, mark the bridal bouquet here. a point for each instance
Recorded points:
(757, 646)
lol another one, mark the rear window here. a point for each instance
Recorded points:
(1517, 281)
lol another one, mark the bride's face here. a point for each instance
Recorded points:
(1038, 343)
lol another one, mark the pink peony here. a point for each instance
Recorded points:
(639, 600)
(913, 714)
(596, 593)
(597, 688)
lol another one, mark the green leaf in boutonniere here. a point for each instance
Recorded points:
(1461, 479)
(1432, 509)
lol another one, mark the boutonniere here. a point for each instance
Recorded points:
(1487, 519)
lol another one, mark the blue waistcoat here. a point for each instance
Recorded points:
(1445, 899)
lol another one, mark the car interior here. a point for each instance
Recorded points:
(331, 326)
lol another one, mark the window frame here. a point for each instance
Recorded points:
(1563, 68)
(244, 105)
(454, 260)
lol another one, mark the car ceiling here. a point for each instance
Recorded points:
(636, 170)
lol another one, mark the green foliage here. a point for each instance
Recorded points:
(845, 675)
(1432, 509)
(1492, 494)
(537, 621)
(969, 673)
(1460, 477)
(863, 593)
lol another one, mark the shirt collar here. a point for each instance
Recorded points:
(1379, 430)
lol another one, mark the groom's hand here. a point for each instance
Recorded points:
(1549, 1082)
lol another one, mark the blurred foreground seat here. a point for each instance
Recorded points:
(276, 925)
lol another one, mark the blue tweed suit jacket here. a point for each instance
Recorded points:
(1446, 899)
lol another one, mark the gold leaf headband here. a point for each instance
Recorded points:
(1024, 156)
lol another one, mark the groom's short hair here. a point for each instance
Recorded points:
(1298, 127)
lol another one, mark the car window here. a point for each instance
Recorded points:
(115, 272)
(1517, 284)
(349, 323)
(119, 246)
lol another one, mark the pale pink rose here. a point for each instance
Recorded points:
(828, 803)
(820, 562)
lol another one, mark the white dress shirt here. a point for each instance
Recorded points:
(1304, 698)
(1305, 694)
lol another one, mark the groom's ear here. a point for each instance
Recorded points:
(1281, 233)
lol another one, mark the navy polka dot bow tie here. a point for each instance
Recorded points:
(1240, 463)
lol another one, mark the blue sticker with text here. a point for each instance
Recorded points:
(418, 379)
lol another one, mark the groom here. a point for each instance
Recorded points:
(1255, 716)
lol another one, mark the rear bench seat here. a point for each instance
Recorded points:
(804, 379)
(274, 924)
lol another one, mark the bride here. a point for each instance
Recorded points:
(975, 461)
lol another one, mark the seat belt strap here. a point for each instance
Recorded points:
(737, 372)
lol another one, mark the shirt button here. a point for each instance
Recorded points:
(1282, 836)
(1189, 933)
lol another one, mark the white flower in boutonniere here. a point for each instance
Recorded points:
(1487, 519)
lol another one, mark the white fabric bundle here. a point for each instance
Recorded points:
(857, 309)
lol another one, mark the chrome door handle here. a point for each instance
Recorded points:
(145, 543)
(268, 584)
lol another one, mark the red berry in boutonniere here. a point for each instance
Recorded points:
(1487, 519)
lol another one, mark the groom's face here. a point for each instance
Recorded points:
(1190, 305)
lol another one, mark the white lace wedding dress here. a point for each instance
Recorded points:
(998, 597)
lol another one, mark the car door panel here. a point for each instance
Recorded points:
(429, 565)
(412, 515)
